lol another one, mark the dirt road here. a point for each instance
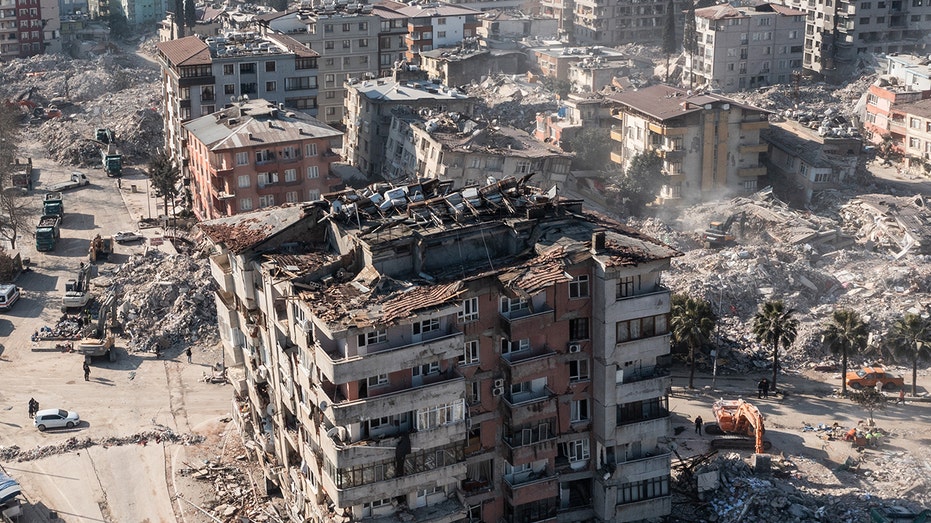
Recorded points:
(132, 395)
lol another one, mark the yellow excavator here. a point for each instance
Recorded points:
(741, 423)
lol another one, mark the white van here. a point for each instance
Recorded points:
(8, 295)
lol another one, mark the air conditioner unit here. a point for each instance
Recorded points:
(499, 383)
(497, 391)
(575, 347)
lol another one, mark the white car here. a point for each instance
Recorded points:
(56, 419)
(126, 237)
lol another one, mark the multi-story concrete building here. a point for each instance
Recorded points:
(432, 25)
(502, 24)
(710, 145)
(255, 154)
(746, 47)
(140, 12)
(454, 148)
(209, 22)
(29, 27)
(459, 65)
(392, 36)
(912, 71)
(346, 36)
(577, 111)
(423, 355)
(881, 97)
(199, 76)
(369, 108)
(553, 59)
(803, 162)
(588, 22)
(910, 131)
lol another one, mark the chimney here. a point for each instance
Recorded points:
(250, 136)
(598, 241)
(270, 125)
(300, 130)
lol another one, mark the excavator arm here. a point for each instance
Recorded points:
(740, 417)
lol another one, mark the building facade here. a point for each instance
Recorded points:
(29, 27)
(200, 76)
(577, 111)
(431, 25)
(141, 12)
(369, 108)
(710, 145)
(413, 370)
(392, 36)
(881, 97)
(746, 47)
(460, 66)
(255, 154)
(594, 22)
(346, 38)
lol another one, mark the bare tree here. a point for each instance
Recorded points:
(14, 212)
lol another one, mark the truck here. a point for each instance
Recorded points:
(47, 232)
(870, 376)
(100, 247)
(77, 289)
(111, 160)
(97, 339)
(78, 179)
(53, 204)
(21, 171)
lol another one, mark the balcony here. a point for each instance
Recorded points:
(528, 407)
(751, 172)
(637, 387)
(753, 148)
(222, 272)
(642, 429)
(359, 453)
(355, 368)
(346, 412)
(190, 81)
(642, 468)
(528, 364)
(616, 157)
(617, 135)
(666, 130)
(643, 510)
(752, 125)
(521, 454)
(527, 487)
(639, 305)
(521, 324)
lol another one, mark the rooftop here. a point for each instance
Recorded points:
(239, 44)
(461, 134)
(664, 102)
(921, 108)
(391, 90)
(725, 11)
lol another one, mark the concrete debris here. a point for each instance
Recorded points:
(120, 91)
(512, 99)
(166, 301)
(159, 435)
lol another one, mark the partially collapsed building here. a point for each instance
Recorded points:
(423, 354)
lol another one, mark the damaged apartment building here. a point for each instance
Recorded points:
(426, 354)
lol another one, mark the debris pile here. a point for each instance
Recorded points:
(512, 99)
(159, 435)
(166, 301)
(234, 492)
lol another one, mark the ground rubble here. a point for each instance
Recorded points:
(158, 435)
(235, 495)
(165, 301)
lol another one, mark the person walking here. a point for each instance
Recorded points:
(188, 353)
(765, 388)
(759, 388)
(33, 407)
(698, 424)
(87, 371)
(901, 397)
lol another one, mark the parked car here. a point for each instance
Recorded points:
(56, 419)
(868, 376)
(126, 237)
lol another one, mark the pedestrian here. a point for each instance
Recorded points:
(87, 371)
(188, 353)
(879, 387)
(698, 424)
(33, 407)
(759, 388)
(765, 388)
(901, 397)
(119, 183)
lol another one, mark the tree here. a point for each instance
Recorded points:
(119, 25)
(592, 148)
(775, 326)
(690, 39)
(870, 399)
(641, 182)
(692, 322)
(179, 19)
(910, 341)
(164, 176)
(190, 13)
(14, 208)
(670, 45)
(846, 334)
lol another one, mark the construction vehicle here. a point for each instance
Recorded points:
(111, 160)
(716, 235)
(100, 248)
(77, 179)
(48, 231)
(21, 171)
(870, 376)
(897, 514)
(53, 204)
(77, 290)
(104, 135)
(97, 339)
(741, 423)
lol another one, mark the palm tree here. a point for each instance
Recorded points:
(775, 326)
(692, 323)
(846, 334)
(910, 341)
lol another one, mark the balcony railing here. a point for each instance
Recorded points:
(528, 487)
(342, 412)
(531, 406)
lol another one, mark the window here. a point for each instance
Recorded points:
(312, 172)
(512, 305)
(290, 196)
(372, 338)
(579, 411)
(469, 311)
(298, 83)
(363, 43)
(440, 415)
(441, 34)
(424, 370)
(269, 67)
(441, 21)
(578, 329)
(242, 159)
(271, 86)
(245, 204)
(305, 63)
(375, 381)
(625, 287)
(347, 44)
(578, 370)
(508, 346)
(329, 44)
(578, 287)
(474, 394)
(642, 490)
(641, 328)
(228, 69)
(266, 201)
(577, 450)
(310, 149)
(244, 181)
(914, 123)
(327, 28)
(290, 175)
(425, 326)
(264, 179)
(914, 143)
(229, 89)
(247, 68)
(363, 26)
(469, 353)
(313, 195)
(347, 28)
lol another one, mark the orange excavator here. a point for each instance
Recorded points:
(742, 424)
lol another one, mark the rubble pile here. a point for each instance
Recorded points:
(119, 91)
(816, 98)
(234, 492)
(159, 435)
(166, 301)
(513, 100)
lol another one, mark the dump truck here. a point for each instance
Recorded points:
(77, 289)
(740, 422)
(47, 232)
(21, 171)
(97, 339)
(100, 247)
(111, 160)
(77, 180)
(53, 204)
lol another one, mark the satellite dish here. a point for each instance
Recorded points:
(323, 405)
(707, 107)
